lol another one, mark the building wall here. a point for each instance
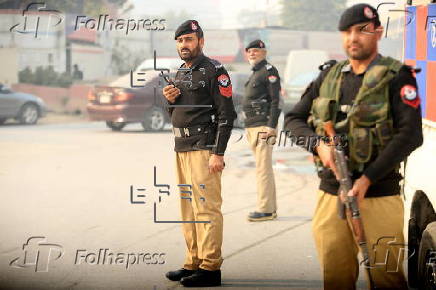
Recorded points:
(9, 60)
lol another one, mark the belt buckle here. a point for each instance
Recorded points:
(186, 132)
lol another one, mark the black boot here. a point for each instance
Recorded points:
(202, 278)
(260, 216)
(179, 274)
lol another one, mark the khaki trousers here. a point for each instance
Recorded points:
(266, 187)
(203, 240)
(337, 250)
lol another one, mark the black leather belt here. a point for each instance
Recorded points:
(250, 114)
(190, 131)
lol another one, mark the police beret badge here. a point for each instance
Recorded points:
(368, 12)
(194, 26)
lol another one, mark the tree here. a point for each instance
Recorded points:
(312, 14)
(250, 18)
(174, 19)
(124, 60)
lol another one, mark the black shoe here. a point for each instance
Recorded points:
(202, 278)
(179, 274)
(260, 216)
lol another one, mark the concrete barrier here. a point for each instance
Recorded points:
(60, 100)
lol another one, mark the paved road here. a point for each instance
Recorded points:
(65, 193)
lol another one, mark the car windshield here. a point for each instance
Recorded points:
(168, 63)
(142, 79)
(238, 81)
(303, 79)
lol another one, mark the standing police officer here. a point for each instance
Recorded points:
(373, 100)
(261, 108)
(202, 114)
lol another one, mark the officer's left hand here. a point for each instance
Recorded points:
(360, 188)
(216, 163)
(270, 132)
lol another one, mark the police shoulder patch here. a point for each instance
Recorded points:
(225, 85)
(216, 63)
(409, 96)
(272, 79)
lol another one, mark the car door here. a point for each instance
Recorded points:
(9, 103)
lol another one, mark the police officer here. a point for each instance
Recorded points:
(202, 114)
(261, 106)
(373, 100)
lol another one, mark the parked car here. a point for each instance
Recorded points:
(238, 81)
(295, 88)
(25, 108)
(301, 68)
(164, 62)
(118, 104)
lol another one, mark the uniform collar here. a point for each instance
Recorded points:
(259, 65)
(347, 67)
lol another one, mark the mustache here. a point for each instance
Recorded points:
(185, 49)
(355, 44)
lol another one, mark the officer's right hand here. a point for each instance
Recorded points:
(325, 153)
(170, 93)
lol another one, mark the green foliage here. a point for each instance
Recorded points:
(174, 19)
(123, 60)
(45, 76)
(312, 14)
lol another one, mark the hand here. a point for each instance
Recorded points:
(216, 163)
(170, 93)
(270, 132)
(360, 187)
(325, 153)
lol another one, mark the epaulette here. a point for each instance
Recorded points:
(413, 69)
(327, 64)
(268, 66)
(216, 63)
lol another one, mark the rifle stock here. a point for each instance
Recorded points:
(348, 207)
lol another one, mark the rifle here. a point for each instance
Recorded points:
(348, 207)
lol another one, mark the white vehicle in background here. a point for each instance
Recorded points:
(420, 175)
(301, 68)
(169, 63)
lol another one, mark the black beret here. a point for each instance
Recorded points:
(357, 14)
(189, 26)
(256, 44)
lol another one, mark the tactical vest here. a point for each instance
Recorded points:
(368, 124)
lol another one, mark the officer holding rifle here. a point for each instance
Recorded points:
(372, 100)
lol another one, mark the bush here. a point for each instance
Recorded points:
(45, 76)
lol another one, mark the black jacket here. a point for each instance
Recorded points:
(207, 84)
(261, 102)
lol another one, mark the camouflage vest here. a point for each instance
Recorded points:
(368, 124)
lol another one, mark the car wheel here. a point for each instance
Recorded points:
(2, 120)
(427, 259)
(28, 114)
(421, 214)
(115, 126)
(154, 119)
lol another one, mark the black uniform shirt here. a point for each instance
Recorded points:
(207, 84)
(262, 89)
(407, 125)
